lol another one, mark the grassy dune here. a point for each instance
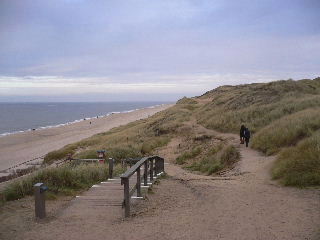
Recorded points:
(287, 131)
(284, 117)
(215, 159)
(280, 114)
(66, 179)
(135, 139)
(300, 165)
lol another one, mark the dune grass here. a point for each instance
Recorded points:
(257, 105)
(66, 179)
(188, 155)
(217, 158)
(280, 114)
(300, 165)
(135, 139)
(287, 131)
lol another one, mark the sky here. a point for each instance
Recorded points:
(143, 50)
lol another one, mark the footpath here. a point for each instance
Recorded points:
(243, 204)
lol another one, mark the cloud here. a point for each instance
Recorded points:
(155, 46)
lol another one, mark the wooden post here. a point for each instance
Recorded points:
(151, 170)
(160, 165)
(110, 168)
(125, 181)
(138, 183)
(145, 175)
(39, 200)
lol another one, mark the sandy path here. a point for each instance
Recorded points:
(244, 204)
(21, 147)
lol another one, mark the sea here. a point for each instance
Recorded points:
(20, 117)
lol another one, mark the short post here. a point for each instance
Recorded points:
(145, 175)
(138, 183)
(159, 165)
(151, 170)
(111, 168)
(39, 197)
(125, 181)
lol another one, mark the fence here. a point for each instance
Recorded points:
(152, 166)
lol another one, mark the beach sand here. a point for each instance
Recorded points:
(22, 147)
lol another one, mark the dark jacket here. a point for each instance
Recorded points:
(246, 133)
(242, 131)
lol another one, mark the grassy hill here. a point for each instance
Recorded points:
(284, 117)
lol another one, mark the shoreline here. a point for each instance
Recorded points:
(21, 147)
(77, 120)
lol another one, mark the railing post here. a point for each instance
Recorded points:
(110, 168)
(125, 181)
(138, 183)
(145, 175)
(161, 165)
(151, 170)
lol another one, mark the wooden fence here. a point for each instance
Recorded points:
(152, 166)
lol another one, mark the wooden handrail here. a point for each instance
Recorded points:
(149, 168)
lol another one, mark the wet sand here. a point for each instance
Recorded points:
(22, 147)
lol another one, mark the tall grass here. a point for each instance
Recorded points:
(65, 179)
(299, 166)
(281, 114)
(287, 131)
(188, 155)
(255, 116)
(135, 139)
(217, 158)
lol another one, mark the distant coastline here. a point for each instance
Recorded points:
(18, 148)
(85, 118)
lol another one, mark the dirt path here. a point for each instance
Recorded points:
(242, 204)
(247, 205)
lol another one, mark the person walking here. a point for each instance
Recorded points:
(242, 134)
(246, 136)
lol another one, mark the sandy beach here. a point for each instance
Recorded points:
(21, 147)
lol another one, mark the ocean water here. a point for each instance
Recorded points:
(18, 117)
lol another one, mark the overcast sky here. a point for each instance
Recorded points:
(102, 50)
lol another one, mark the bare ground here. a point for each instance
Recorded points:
(243, 203)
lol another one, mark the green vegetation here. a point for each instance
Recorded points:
(287, 131)
(187, 101)
(257, 105)
(188, 155)
(300, 165)
(216, 159)
(135, 139)
(66, 179)
(281, 114)
(283, 117)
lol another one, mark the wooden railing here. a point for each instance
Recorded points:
(152, 166)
